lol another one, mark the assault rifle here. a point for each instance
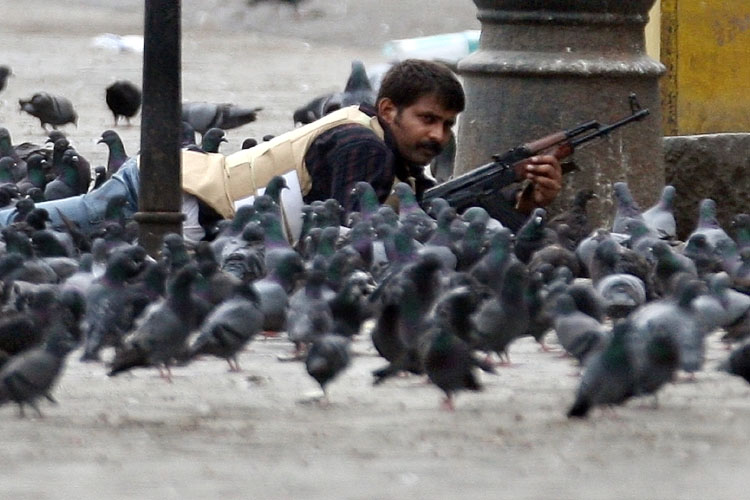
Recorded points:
(482, 185)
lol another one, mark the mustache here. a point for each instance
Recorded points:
(433, 146)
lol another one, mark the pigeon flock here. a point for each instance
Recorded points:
(434, 293)
(438, 294)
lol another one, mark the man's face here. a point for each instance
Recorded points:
(421, 130)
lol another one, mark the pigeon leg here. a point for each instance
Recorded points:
(234, 366)
(269, 334)
(21, 412)
(447, 403)
(504, 359)
(36, 408)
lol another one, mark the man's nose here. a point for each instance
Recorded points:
(438, 133)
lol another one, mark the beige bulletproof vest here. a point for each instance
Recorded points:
(221, 181)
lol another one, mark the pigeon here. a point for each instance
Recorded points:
(578, 333)
(229, 327)
(163, 329)
(677, 316)
(498, 257)
(358, 90)
(669, 265)
(65, 184)
(449, 361)
(212, 139)
(533, 235)
(117, 155)
(609, 376)
(573, 224)
(203, 115)
(274, 289)
(621, 293)
(36, 165)
(327, 357)
(709, 225)
(7, 149)
(5, 72)
(309, 314)
(625, 207)
(33, 374)
(62, 146)
(49, 109)
(655, 357)
(738, 362)
(504, 317)
(313, 110)
(410, 214)
(107, 302)
(350, 306)
(123, 99)
(406, 299)
(660, 217)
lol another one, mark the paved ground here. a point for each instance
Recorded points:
(247, 435)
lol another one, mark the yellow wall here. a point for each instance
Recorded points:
(705, 45)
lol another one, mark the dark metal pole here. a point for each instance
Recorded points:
(160, 195)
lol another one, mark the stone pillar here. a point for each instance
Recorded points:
(547, 65)
(160, 190)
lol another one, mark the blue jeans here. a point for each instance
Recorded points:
(87, 210)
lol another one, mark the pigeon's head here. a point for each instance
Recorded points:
(707, 209)
(108, 137)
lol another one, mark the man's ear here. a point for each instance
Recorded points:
(387, 110)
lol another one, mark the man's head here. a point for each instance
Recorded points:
(419, 100)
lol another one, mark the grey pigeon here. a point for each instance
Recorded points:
(410, 214)
(117, 154)
(107, 304)
(449, 362)
(327, 357)
(625, 207)
(309, 314)
(578, 333)
(358, 90)
(504, 317)
(677, 316)
(123, 98)
(660, 217)
(35, 176)
(50, 109)
(229, 327)
(609, 376)
(274, 289)
(204, 115)
(622, 293)
(655, 357)
(709, 225)
(406, 298)
(212, 139)
(32, 375)
(533, 235)
(163, 329)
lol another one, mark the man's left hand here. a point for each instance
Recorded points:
(545, 174)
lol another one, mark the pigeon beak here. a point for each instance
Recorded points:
(101, 140)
